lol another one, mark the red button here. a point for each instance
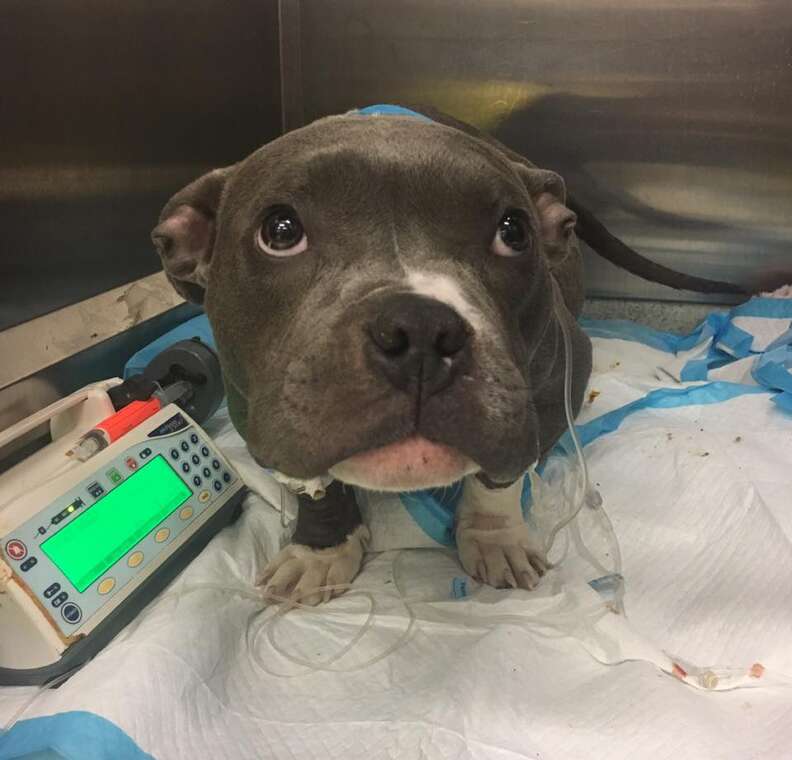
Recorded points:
(131, 463)
(16, 549)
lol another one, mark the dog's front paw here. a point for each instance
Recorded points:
(297, 572)
(501, 552)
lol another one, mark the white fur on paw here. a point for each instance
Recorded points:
(297, 571)
(510, 556)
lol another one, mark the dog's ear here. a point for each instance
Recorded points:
(184, 237)
(548, 191)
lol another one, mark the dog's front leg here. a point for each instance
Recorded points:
(327, 549)
(495, 544)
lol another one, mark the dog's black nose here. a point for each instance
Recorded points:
(417, 341)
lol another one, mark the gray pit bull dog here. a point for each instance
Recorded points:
(385, 294)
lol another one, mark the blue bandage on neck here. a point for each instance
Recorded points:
(383, 109)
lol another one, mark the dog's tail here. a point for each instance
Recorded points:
(590, 229)
(593, 231)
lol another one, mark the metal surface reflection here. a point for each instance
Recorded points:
(107, 110)
(669, 118)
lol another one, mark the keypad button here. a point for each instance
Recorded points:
(51, 590)
(71, 613)
(185, 466)
(27, 564)
(227, 477)
(194, 438)
(106, 586)
(186, 513)
(197, 480)
(217, 485)
(135, 559)
(204, 496)
(185, 446)
(174, 453)
(205, 451)
(215, 464)
(207, 473)
(145, 453)
(59, 599)
(195, 459)
(162, 535)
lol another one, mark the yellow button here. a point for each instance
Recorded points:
(135, 559)
(204, 496)
(186, 513)
(106, 586)
(161, 535)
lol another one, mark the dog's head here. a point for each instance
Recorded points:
(378, 289)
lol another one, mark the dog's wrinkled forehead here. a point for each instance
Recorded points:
(396, 167)
(386, 203)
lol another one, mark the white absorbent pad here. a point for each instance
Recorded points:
(696, 479)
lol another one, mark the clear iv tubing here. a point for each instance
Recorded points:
(560, 626)
(563, 620)
(588, 495)
(25, 706)
(287, 604)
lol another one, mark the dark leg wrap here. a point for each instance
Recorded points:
(491, 484)
(327, 522)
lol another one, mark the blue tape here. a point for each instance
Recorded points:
(383, 109)
(784, 401)
(663, 398)
(623, 330)
(434, 510)
(463, 586)
(728, 342)
(670, 342)
(774, 369)
(735, 340)
(771, 308)
(74, 735)
(695, 370)
(781, 340)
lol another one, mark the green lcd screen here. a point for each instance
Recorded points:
(108, 529)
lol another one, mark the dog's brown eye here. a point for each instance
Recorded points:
(282, 233)
(512, 236)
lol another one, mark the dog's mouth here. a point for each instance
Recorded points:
(409, 464)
